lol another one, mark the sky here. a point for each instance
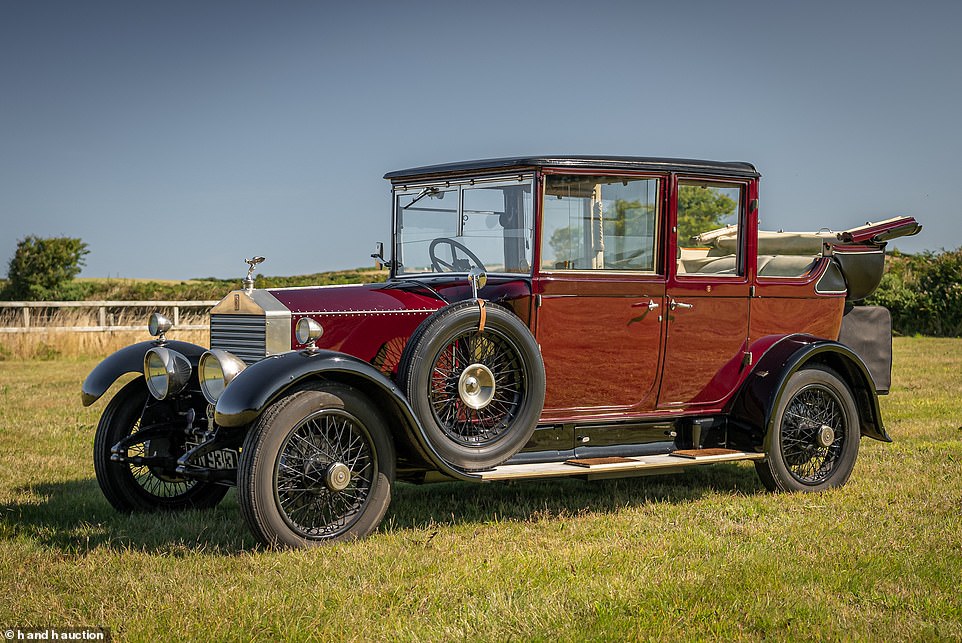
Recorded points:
(177, 138)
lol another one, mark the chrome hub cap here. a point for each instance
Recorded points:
(825, 436)
(476, 386)
(337, 477)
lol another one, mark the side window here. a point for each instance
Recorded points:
(709, 229)
(599, 223)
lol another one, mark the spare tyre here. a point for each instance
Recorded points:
(477, 385)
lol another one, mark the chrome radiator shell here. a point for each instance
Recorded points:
(251, 325)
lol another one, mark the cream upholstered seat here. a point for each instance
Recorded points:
(785, 265)
(780, 254)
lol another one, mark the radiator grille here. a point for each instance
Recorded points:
(243, 335)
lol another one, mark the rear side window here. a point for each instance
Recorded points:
(709, 229)
(600, 223)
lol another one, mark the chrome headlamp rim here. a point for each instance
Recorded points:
(215, 370)
(158, 324)
(307, 331)
(166, 372)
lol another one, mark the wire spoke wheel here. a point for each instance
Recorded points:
(477, 387)
(144, 487)
(324, 474)
(813, 434)
(459, 418)
(316, 467)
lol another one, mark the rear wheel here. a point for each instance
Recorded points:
(316, 467)
(815, 436)
(129, 487)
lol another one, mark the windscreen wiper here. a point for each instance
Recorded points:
(431, 191)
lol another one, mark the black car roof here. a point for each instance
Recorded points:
(644, 163)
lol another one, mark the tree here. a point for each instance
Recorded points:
(42, 269)
(566, 243)
(700, 209)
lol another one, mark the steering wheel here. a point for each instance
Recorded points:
(456, 264)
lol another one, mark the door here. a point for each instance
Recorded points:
(707, 297)
(602, 294)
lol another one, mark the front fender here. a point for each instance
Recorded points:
(754, 406)
(259, 385)
(129, 360)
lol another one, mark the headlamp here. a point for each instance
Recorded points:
(166, 372)
(215, 371)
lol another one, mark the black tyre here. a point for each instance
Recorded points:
(316, 467)
(478, 394)
(815, 436)
(130, 487)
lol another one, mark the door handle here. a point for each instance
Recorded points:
(650, 304)
(680, 304)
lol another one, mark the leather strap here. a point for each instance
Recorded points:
(484, 315)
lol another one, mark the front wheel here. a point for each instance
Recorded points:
(316, 467)
(144, 487)
(815, 435)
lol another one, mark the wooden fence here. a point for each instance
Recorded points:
(45, 316)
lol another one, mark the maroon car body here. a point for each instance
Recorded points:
(544, 316)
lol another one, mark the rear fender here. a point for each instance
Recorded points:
(753, 409)
(262, 383)
(130, 360)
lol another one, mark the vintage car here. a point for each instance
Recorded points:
(544, 316)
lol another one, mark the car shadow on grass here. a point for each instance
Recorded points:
(73, 517)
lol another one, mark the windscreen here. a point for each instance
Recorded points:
(455, 227)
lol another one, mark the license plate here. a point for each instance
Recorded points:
(220, 459)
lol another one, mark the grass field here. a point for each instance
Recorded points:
(700, 555)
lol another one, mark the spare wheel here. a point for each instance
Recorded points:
(476, 382)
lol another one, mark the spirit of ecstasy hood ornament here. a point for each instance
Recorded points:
(251, 266)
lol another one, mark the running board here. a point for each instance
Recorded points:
(615, 467)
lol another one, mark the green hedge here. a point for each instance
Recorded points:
(194, 289)
(923, 293)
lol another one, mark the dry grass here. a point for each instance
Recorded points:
(52, 345)
(53, 342)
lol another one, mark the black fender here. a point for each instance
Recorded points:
(753, 408)
(130, 359)
(259, 385)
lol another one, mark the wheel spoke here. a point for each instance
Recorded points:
(459, 422)
(154, 482)
(812, 408)
(308, 504)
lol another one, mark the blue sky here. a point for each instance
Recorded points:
(177, 138)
